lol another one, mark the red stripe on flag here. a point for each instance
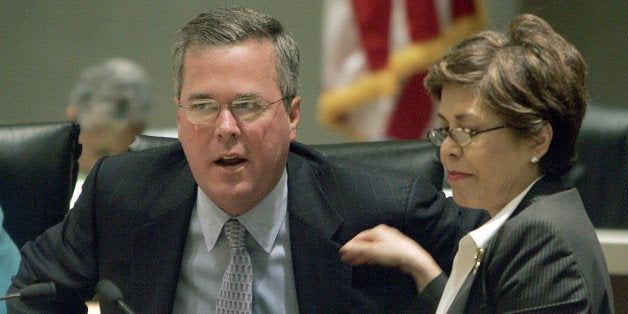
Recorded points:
(413, 112)
(460, 8)
(373, 21)
(422, 19)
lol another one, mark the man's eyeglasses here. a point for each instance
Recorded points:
(461, 136)
(244, 110)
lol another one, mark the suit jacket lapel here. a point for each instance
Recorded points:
(323, 281)
(163, 239)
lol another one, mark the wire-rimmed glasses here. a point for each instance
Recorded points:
(244, 110)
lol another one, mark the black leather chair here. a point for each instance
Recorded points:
(602, 149)
(39, 164)
(148, 141)
(416, 157)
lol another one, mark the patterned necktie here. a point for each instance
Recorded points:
(236, 292)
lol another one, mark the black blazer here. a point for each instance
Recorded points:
(545, 258)
(131, 221)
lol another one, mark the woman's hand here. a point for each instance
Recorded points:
(387, 246)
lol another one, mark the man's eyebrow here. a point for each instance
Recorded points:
(204, 96)
(247, 96)
(199, 96)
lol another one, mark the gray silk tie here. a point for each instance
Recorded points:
(236, 292)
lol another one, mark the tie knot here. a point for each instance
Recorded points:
(235, 232)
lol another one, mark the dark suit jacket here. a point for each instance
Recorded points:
(131, 221)
(545, 258)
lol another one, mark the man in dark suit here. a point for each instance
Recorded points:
(152, 221)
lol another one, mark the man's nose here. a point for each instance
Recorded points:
(227, 124)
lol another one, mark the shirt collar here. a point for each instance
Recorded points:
(263, 221)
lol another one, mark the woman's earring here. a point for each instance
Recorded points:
(534, 160)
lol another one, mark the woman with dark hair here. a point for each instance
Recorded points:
(510, 108)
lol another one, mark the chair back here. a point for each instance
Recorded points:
(417, 157)
(38, 169)
(602, 150)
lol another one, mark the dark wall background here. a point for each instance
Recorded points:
(44, 46)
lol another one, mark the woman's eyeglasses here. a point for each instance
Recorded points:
(462, 137)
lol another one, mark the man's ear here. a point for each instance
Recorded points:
(70, 113)
(541, 141)
(176, 101)
(294, 114)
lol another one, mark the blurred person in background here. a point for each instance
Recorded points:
(110, 102)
